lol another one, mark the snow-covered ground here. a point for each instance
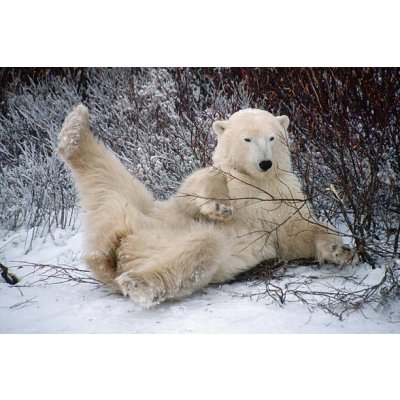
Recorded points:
(44, 304)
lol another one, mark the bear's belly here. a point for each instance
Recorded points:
(249, 245)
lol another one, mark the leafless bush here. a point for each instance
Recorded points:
(35, 189)
(338, 293)
(157, 120)
(135, 113)
(354, 144)
(344, 136)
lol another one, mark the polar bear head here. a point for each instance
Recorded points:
(253, 142)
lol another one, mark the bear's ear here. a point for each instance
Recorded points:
(219, 127)
(284, 121)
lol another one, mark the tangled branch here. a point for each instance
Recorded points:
(283, 285)
(58, 274)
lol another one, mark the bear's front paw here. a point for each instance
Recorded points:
(338, 254)
(217, 211)
(139, 289)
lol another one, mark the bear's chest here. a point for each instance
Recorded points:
(257, 204)
(260, 214)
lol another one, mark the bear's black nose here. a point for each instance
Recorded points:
(265, 165)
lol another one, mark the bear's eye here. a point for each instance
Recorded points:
(272, 138)
(247, 139)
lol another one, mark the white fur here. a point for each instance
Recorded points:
(223, 220)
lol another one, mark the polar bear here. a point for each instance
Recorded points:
(224, 219)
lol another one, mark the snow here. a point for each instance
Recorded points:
(44, 304)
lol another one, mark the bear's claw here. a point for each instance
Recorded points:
(138, 289)
(217, 211)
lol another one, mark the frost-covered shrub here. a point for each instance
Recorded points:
(160, 131)
(134, 112)
(345, 138)
(344, 129)
(35, 188)
(157, 121)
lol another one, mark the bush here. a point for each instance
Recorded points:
(36, 190)
(345, 142)
(158, 120)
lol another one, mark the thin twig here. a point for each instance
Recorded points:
(58, 274)
(283, 287)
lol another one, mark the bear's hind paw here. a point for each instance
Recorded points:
(75, 123)
(138, 289)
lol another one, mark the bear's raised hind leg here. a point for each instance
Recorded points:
(97, 172)
(113, 198)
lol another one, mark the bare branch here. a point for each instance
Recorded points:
(57, 274)
(282, 284)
